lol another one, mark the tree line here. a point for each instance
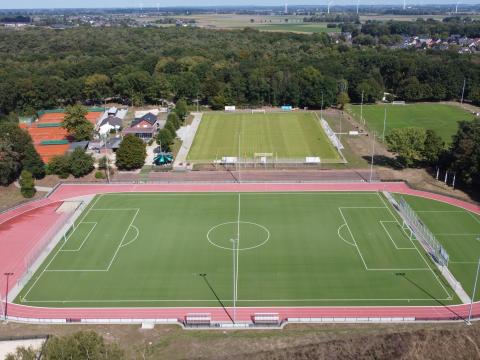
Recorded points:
(43, 68)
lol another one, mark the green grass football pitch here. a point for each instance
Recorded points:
(285, 135)
(441, 118)
(295, 249)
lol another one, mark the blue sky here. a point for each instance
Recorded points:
(18, 4)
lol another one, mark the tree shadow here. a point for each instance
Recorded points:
(204, 277)
(456, 315)
(382, 160)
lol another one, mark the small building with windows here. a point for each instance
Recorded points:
(145, 127)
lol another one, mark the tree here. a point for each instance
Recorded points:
(22, 353)
(83, 345)
(33, 162)
(97, 86)
(10, 164)
(27, 184)
(465, 152)
(408, 143)
(59, 165)
(174, 119)
(80, 163)
(164, 139)
(76, 123)
(131, 153)
(21, 148)
(102, 163)
(342, 99)
(433, 147)
(181, 109)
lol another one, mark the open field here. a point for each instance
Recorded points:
(296, 27)
(442, 118)
(260, 22)
(294, 249)
(286, 135)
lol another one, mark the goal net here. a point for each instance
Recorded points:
(261, 111)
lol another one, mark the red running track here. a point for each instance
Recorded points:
(23, 227)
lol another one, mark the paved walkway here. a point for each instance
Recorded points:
(38, 188)
(188, 134)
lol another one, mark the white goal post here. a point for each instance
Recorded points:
(261, 111)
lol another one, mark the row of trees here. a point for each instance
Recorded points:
(416, 146)
(41, 68)
(449, 26)
(175, 119)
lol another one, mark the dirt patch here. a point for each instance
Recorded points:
(413, 341)
(10, 196)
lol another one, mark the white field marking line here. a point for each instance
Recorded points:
(84, 239)
(390, 236)
(234, 222)
(135, 238)
(421, 255)
(118, 209)
(224, 193)
(351, 234)
(341, 237)
(473, 216)
(61, 246)
(377, 269)
(216, 301)
(238, 246)
(96, 270)
(456, 234)
(440, 211)
(123, 238)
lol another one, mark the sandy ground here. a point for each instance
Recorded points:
(7, 347)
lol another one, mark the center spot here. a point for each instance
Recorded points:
(225, 235)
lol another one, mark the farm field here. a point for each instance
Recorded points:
(299, 28)
(285, 135)
(292, 249)
(441, 118)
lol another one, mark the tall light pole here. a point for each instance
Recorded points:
(105, 137)
(463, 90)
(371, 162)
(472, 299)
(7, 274)
(361, 110)
(384, 123)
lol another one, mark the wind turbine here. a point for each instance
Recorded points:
(328, 6)
(404, 4)
(456, 7)
(358, 2)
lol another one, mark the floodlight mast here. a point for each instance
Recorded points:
(472, 299)
(361, 110)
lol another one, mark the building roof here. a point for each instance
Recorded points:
(149, 117)
(139, 130)
(112, 120)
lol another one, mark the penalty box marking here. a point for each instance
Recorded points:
(86, 270)
(418, 251)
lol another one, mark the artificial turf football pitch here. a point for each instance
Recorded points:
(293, 249)
(284, 135)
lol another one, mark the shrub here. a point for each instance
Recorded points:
(59, 165)
(131, 153)
(27, 184)
(99, 175)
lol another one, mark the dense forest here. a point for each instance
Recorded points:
(43, 68)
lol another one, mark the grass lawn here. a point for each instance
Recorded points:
(442, 118)
(320, 248)
(288, 135)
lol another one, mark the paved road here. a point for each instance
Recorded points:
(181, 159)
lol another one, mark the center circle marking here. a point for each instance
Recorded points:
(267, 233)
